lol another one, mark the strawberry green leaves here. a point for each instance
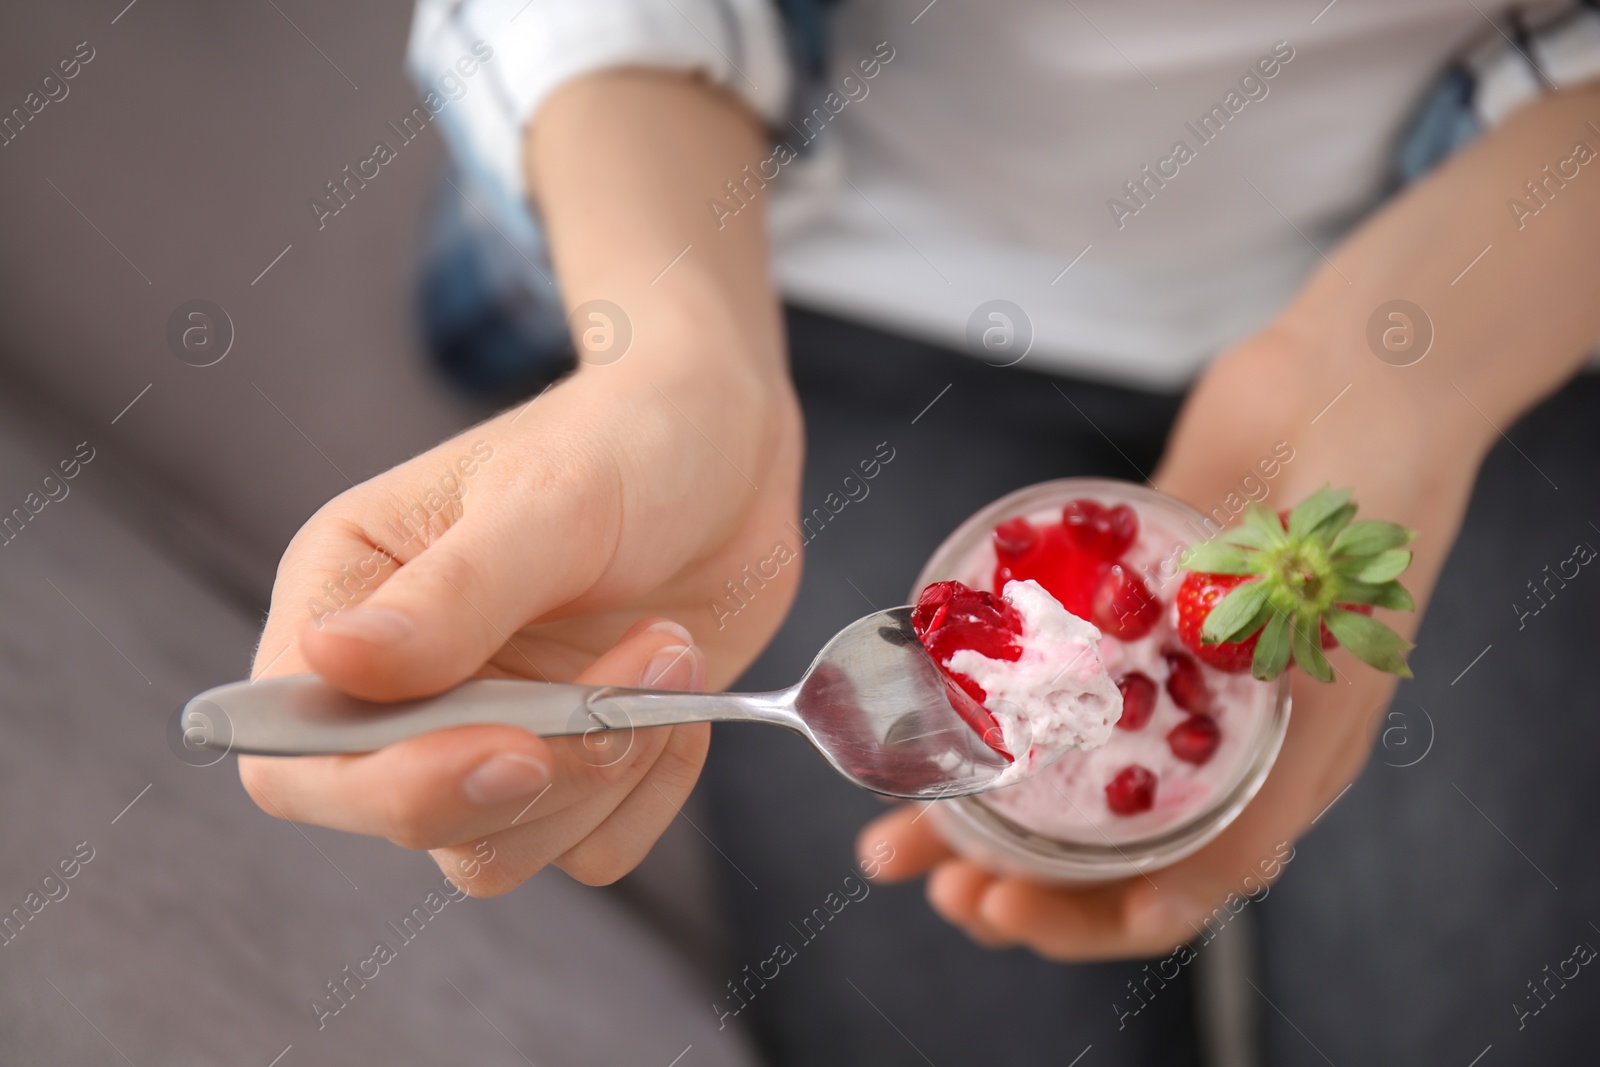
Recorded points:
(1370, 641)
(1383, 567)
(1369, 537)
(1308, 570)
(1272, 650)
(1239, 614)
(1308, 651)
(1219, 557)
(1315, 510)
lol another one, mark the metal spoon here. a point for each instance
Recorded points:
(873, 703)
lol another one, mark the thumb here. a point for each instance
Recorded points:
(440, 616)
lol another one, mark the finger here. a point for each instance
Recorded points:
(582, 837)
(445, 787)
(626, 836)
(1067, 924)
(955, 891)
(327, 565)
(606, 834)
(441, 615)
(900, 845)
(956, 888)
(525, 848)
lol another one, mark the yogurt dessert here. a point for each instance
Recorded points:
(1191, 744)
(1196, 636)
(1185, 730)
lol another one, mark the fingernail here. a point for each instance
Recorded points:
(667, 626)
(503, 778)
(674, 667)
(379, 626)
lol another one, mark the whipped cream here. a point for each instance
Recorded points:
(1055, 697)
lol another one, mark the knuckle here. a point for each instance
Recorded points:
(595, 862)
(683, 754)
(412, 522)
(596, 764)
(409, 822)
(256, 776)
(458, 575)
(487, 880)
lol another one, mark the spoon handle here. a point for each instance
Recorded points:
(299, 715)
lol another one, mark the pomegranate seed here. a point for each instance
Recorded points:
(1138, 700)
(1187, 684)
(1103, 532)
(1013, 538)
(1069, 575)
(1133, 790)
(950, 616)
(1123, 606)
(1195, 739)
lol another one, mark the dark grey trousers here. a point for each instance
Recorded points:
(1413, 917)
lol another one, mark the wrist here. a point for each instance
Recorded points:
(708, 370)
(1287, 412)
(1355, 393)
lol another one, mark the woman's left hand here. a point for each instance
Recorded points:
(1263, 394)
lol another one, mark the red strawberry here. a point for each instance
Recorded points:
(950, 616)
(1132, 791)
(1103, 532)
(1251, 592)
(1123, 606)
(1195, 739)
(1138, 700)
(1197, 595)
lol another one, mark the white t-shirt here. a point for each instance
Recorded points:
(1147, 181)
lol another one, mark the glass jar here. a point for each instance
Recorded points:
(1091, 843)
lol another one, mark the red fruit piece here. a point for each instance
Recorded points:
(1195, 739)
(1013, 538)
(1069, 575)
(1187, 684)
(948, 617)
(1197, 595)
(1138, 700)
(1132, 791)
(1103, 532)
(1123, 606)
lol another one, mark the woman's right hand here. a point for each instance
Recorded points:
(583, 536)
(588, 535)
